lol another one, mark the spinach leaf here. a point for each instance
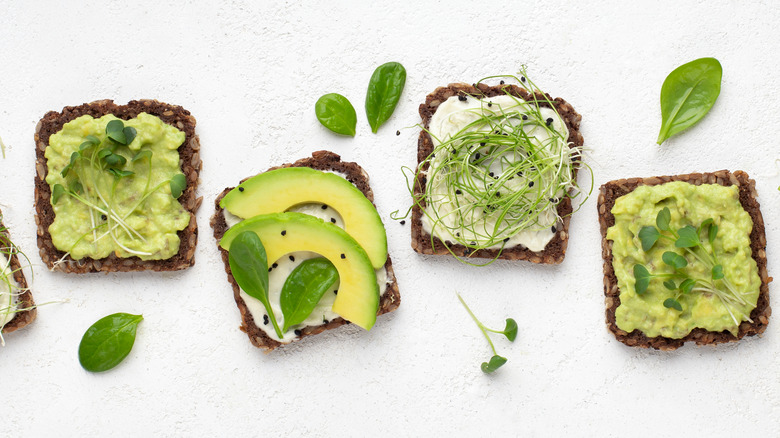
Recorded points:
(687, 95)
(304, 287)
(108, 341)
(336, 113)
(249, 266)
(384, 91)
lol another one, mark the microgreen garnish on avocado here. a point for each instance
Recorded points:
(510, 331)
(336, 113)
(689, 240)
(687, 95)
(249, 265)
(304, 288)
(384, 91)
(108, 341)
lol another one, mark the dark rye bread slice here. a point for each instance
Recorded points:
(612, 190)
(25, 300)
(555, 250)
(320, 160)
(189, 161)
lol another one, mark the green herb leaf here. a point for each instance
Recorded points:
(674, 260)
(115, 130)
(89, 141)
(336, 113)
(642, 277)
(56, 192)
(648, 235)
(130, 134)
(510, 330)
(384, 91)
(249, 266)
(669, 284)
(103, 153)
(495, 363)
(687, 285)
(108, 341)
(671, 303)
(304, 287)
(663, 219)
(713, 233)
(76, 187)
(73, 158)
(146, 153)
(717, 272)
(178, 184)
(689, 237)
(115, 160)
(120, 173)
(687, 95)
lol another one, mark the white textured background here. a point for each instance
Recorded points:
(250, 73)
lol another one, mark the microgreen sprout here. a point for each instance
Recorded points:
(503, 173)
(10, 290)
(689, 240)
(510, 331)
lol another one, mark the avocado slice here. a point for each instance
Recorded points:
(282, 233)
(277, 190)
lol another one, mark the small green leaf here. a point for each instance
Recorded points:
(687, 95)
(130, 134)
(304, 287)
(92, 139)
(713, 233)
(115, 131)
(120, 173)
(648, 235)
(717, 272)
(671, 303)
(115, 160)
(178, 184)
(687, 285)
(663, 219)
(510, 330)
(73, 158)
(249, 266)
(336, 113)
(669, 284)
(103, 153)
(674, 260)
(495, 363)
(108, 341)
(56, 192)
(146, 153)
(689, 237)
(76, 187)
(384, 91)
(642, 277)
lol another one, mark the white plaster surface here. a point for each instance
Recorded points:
(250, 73)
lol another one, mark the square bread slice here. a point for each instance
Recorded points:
(612, 190)
(555, 251)
(25, 300)
(189, 162)
(324, 161)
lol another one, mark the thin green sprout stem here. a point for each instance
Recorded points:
(482, 328)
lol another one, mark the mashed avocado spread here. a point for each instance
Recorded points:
(128, 210)
(689, 205)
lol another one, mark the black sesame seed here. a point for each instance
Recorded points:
(325, 321)
(336, 292)
(477, 155)
(397, 132)
(498, 194)
(284, 232)
(457, 234)
(462, 98)
(531, 184)
(490, 104)
(498, 132)
(297, 333)
(482, 144)
(525, 117)
(473, 243)
(275, 266)
(265, 319)
(520, 173)
(403, 222)
(240, 189)
(553, 229)
(343, 256)
(270, 269)
(506, 240)
(333, 219)
(458, 192)
(433, 155)
(522, 78)
(102, 216)
(502, 82)
(292, 259)
(324, 207)
(491, 173)
(549, 121)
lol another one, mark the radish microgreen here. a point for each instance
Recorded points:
(688, 239)
(510, 331)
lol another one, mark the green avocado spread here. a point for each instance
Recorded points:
(128, 210)
(689, 205)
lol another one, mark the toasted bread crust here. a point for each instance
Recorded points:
(612, 190)
(320, 160)
(25, 317)
(424, 243)
(190, 163)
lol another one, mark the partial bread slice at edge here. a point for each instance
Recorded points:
(25, 300)
(324, 161)
(189, 162)
(612, 190)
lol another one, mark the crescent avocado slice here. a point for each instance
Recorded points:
(282, 233)
(277, 190)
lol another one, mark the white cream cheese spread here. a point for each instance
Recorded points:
(9, 291)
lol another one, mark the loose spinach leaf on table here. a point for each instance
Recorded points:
(687, 95)
(336, 113)
(108, 341)
(384, 91)
(304, 287)
(249, 266)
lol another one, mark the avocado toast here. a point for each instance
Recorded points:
(691, 296)
(97, 190)
(340, 186)
(17, 308)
